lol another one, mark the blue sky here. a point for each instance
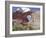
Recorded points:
(33, 9)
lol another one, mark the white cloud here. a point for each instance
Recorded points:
(26, 9)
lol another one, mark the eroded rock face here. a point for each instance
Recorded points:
(19, 15)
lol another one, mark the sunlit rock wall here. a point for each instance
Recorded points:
(36, 20)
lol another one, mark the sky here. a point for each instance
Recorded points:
(32, 9)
